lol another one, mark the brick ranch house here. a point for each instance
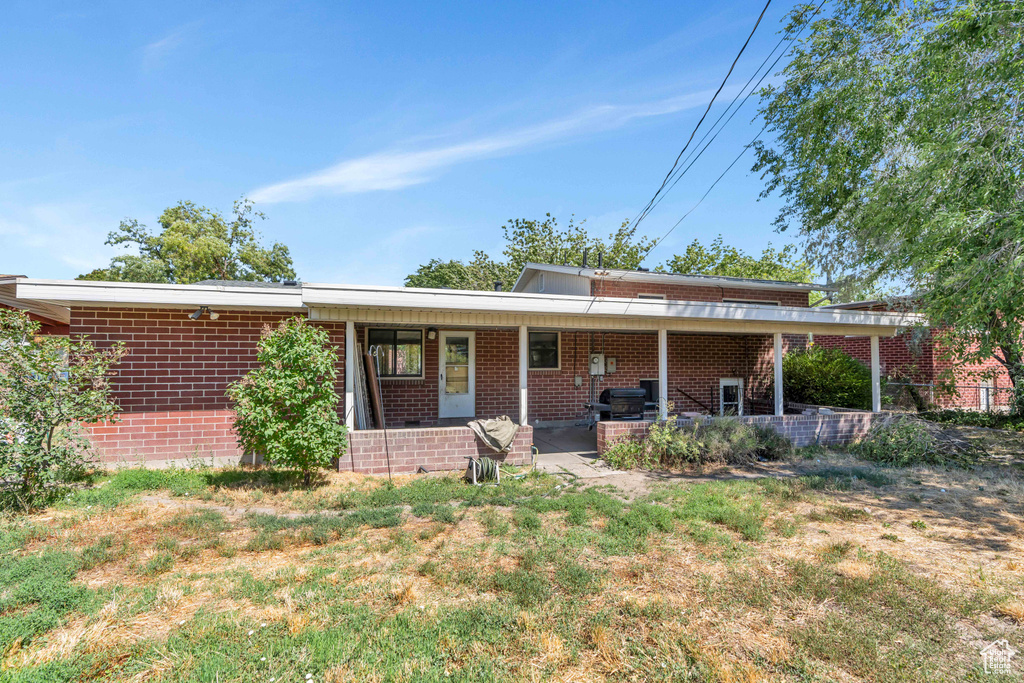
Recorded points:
(916, 359)
(698, 343)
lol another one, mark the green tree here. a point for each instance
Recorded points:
(286, 409)
(194, 244)
(899, 134)
(49, 385)
(719, 259)
(528, 240)
(826, 377)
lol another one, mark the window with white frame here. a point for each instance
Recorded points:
(985, 396)
(730, 396)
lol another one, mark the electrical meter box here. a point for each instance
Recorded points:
(597, 364)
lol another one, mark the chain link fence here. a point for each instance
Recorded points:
(911, 397)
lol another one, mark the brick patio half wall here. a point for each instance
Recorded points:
(802, 430)
(434, 448)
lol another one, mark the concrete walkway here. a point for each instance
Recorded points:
(570, 449)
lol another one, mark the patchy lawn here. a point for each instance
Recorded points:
(842, 572)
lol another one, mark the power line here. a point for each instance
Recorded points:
(679, 174)
(701, 200)
(664, 182)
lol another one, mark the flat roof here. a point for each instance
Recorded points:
(670, 278)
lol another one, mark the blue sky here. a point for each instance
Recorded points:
(374, 136)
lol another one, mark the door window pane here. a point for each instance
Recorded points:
(456, 379)
(544, 350)
(456, 350)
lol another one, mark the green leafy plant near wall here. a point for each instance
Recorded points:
(49, 385)
(826, 377)
(721, 440)
(287, 409)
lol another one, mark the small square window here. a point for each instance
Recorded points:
(544, 351)
(399, 352)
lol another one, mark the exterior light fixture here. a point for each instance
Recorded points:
(198, 313)
(431, 333)
(214, 315)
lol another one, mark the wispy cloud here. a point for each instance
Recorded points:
(155, 54)
(396, 169)
(67, 234)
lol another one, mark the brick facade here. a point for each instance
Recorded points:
(802, 430)
(612, 288)
(436, 449)
(172, 383)
(917, 357)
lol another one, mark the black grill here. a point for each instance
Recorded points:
(623, 403)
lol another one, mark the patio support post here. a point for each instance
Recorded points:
(663, 374)
(524, 361)
(350, 375)
(778, 374)
(876, 377)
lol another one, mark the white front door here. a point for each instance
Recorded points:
(458, 374)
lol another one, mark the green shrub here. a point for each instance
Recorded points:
(975, 418)
(49, 386)
(826, 377)
(719, 440)
(287, 409)
(904, 441)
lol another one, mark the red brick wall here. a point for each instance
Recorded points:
(696, 363)
(436, 449)
(802, 430)
(628, 290)
(925, 363)
(148, 437)
(176, 372)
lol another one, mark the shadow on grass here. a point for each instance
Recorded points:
(269, 480)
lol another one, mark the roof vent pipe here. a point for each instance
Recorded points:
(585, 250)
(497, 285)
(600, 259)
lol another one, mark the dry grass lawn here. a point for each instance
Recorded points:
(842, 572)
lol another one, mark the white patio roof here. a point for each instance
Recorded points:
(414, 306)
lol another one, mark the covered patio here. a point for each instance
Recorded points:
(542, 359)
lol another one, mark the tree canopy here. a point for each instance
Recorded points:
(195, 243)
(538, 241)
(899, 134)
(719, 259)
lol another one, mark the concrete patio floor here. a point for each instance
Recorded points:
(569, 449)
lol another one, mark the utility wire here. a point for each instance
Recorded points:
(691, 159)
(664, 182)
(745, 147)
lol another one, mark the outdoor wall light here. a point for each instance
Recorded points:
(198, 313)
(431, 333)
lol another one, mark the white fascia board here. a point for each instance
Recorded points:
(8, 297)
(148, 295)
(409, 298)
(673, 278)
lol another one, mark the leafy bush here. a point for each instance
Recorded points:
(48, 386)
(287, 408)
(826, 377)
(720, 440)
(904, 441)
(974, 418)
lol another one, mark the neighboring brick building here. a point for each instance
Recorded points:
(539, 354)
(915, 360)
